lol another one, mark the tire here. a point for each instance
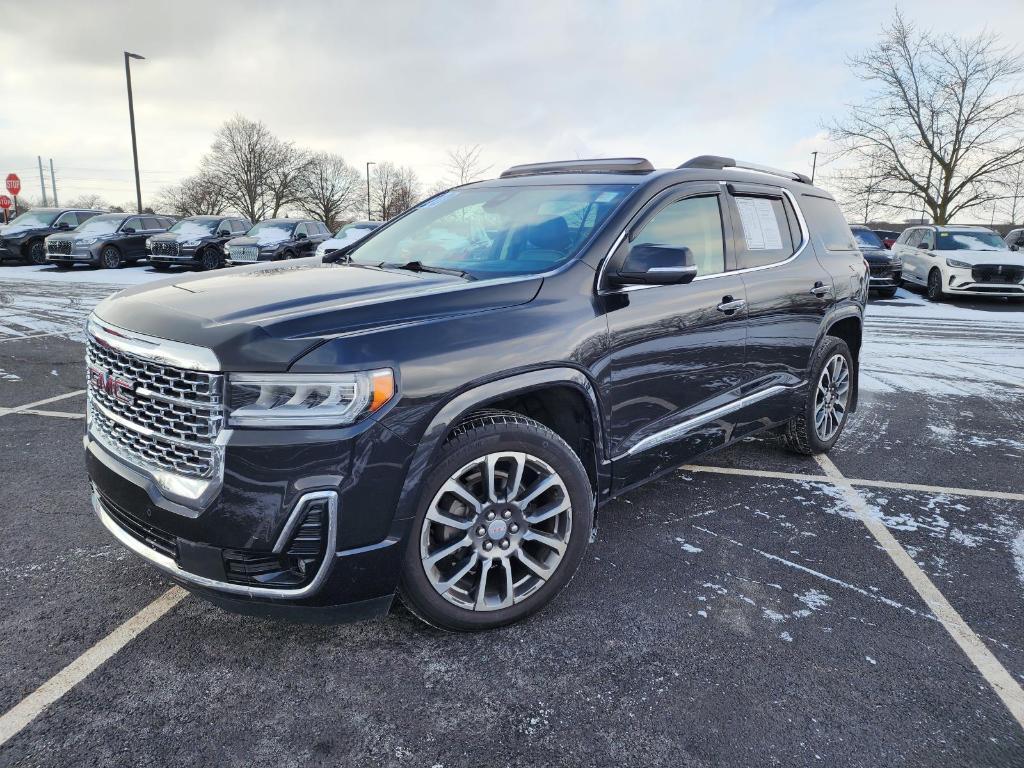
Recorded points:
(934, 289)
(802, 433)
(110, 258)
(210, 260)
(508, 445)
(887, 293)
(35, 253)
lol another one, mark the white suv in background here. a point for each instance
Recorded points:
(948, 261)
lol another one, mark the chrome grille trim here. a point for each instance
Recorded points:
(244, 253)
(58, 246)
(165, 248)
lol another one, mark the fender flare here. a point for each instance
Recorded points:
(477, 397)
(833, 317)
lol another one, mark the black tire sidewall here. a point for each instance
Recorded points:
(531, 438)
(928, 287)
(33, 247)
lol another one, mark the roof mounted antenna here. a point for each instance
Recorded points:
(718, 163)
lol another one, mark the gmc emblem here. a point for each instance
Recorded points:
(121, 390)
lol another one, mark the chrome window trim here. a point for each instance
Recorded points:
(165, 351)
(804, 241)
(169, 566)
(678, 430)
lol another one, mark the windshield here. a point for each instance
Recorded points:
(358, 229)
(100, 225)
(34, 219)
(199, 228)
(866, 238)
(493, 231)
(965, 240)
(269, 231)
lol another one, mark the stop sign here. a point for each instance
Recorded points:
(5, 202)
(13, 184)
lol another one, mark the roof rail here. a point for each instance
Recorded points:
(718, 163)
(597, 165)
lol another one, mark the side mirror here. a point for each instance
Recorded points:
(64, 226)
(129, 230)
(1014, 247)
(647, 264)
(224, 233)
(300, 236)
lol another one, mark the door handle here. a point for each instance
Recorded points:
(730, 305)
(820, 289)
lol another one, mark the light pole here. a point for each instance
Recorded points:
(368, 216)
(131, 118)
(814, 164)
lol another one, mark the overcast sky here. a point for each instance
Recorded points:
(405, 81)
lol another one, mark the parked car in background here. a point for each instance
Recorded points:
(950, 261)
(24, 238)
(1015, 239)
(347, 235)
(887, 236)
(109, 240)
(276, 239)
(885, 266)
(196, 241)
(443, 411)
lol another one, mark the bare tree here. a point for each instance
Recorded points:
(330, 189)
(944, 124)
(394, 189)
(194, 196)
(244, 161)
(1014, 200)
(285, 176)
(89, 200)
(464, 165)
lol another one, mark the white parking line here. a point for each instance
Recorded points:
(988, 665)
(936, 489)
(29, 708)
(56, 414)
(32, 406)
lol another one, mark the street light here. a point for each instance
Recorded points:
(368, 216)
(814, 164)
(131, 118)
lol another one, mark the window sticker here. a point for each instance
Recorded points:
(760, 227)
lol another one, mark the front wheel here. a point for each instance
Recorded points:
(211, 260)
(110, 258)
(823, 414)
(935, 285)
(502, 526)
(36, 253)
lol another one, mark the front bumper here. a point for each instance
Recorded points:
(885, 276)
(962, 281)
(10, 250)
(189, 257)
(83, 254)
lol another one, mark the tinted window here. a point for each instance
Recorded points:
(133, 223)
(85, 216)
(71, 219)
(694, 223)
(867, 239)
(152, 223)
(827, 223)
(322, 228)
(300, 230)
(239, 226)
(764, 228)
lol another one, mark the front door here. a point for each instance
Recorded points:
(676, 352)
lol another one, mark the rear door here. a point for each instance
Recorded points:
(788, 293)
(676, 352)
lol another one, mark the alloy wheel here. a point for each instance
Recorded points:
(496, 531)
(210, 260)
(111, 257)
(831, 397)
(37, 253)
(934, 285)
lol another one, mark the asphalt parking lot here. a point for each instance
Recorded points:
(752, 609)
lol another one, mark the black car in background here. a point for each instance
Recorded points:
(24, 237)
(196, 241)
(109, 240)
(886, 267)
(277, 239)
(887, 236)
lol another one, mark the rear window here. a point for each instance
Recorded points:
(828, 224)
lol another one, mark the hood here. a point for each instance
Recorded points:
(11, 230)
(264, 316)
(984, 257)
(878, 255)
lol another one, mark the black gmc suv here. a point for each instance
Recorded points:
(277, 239)
(441, 408)
(195, 241)
(24, 237)
(109, 240)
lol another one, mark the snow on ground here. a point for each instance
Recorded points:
(79, 274)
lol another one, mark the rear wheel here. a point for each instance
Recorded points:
(35, 253)
(502, 525)
(110, 258)
(822, 417)
(935, 285)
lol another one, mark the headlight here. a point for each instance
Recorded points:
(191, 244)
(227, 250)
(957, 264)
(149, 243)
(306, 399)
(86, 240)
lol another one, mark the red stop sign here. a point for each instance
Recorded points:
(5, 202)
(13, 184)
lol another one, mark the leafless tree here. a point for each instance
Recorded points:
(244, 160)
(194, 196)
(89, 200)
(464, 165)
(330, 189)
(285, 177)
(1014, 199)
(394, 189)
(943, 125)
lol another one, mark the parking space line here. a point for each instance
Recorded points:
(56, 414)
(997, 676)
(797, 476)
(32, 406)
(39, 335)
(29, 708)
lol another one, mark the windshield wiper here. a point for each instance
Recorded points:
(419, 266)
